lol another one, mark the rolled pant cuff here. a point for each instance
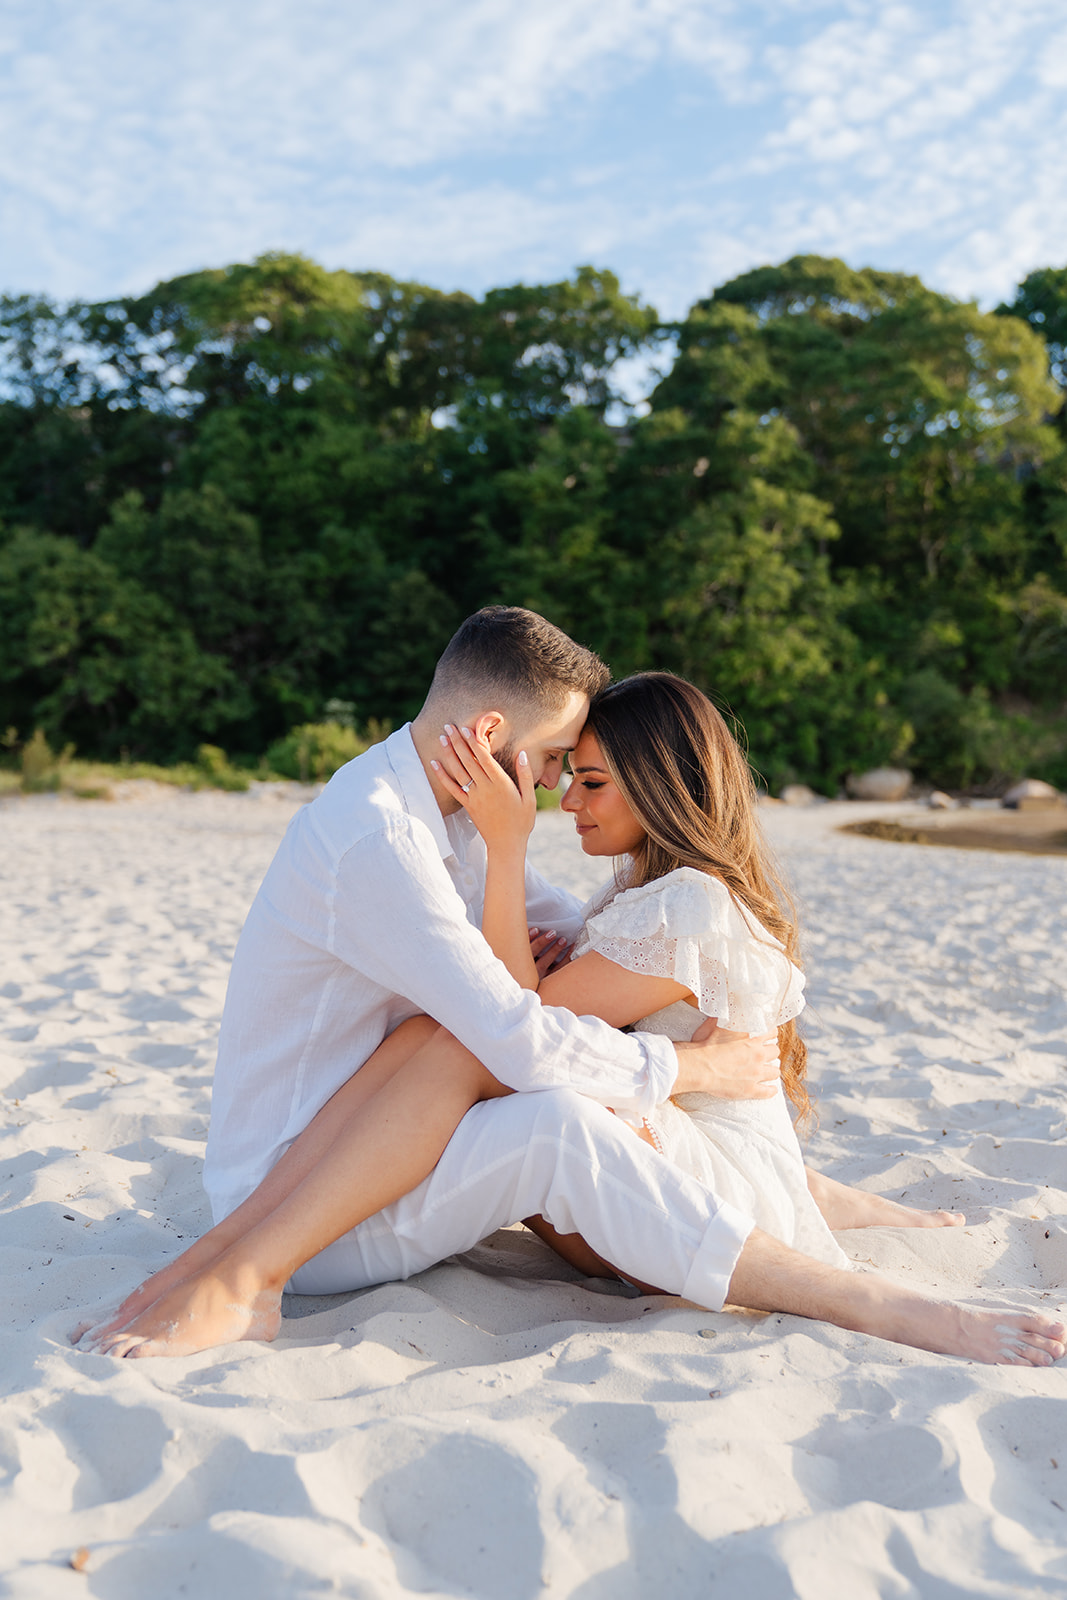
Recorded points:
(708, 1280)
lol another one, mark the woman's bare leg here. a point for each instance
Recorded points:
(286, 1173)
(573, 1248)
(372, 1142)
(845, 1207)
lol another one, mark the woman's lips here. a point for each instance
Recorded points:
(584, 827)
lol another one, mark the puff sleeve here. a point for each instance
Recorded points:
(688, 927)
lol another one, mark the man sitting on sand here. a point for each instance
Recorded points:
(367, 917)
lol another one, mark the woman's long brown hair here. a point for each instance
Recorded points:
(682, 774)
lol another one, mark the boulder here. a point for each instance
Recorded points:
(1031, 794)
(940, 801)
(881, 783)
(797, 794)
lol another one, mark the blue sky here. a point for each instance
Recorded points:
(486, 141)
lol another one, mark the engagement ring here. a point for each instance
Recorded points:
(466, 786)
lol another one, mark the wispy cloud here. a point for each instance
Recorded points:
(676, 140)
(929, 131)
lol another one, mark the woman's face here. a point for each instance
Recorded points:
(605, 823)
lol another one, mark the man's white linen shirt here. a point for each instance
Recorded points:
(369, 914)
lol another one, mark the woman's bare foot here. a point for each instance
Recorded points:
(219, 1305)
(292, 1168)
(845, 1207)
(198, 1257)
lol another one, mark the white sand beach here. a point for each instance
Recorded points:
(498, 1428)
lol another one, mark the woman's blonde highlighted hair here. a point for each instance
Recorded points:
(681, 772)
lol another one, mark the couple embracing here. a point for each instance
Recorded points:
(423, 1041)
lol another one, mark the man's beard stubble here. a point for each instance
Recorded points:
(505, 757)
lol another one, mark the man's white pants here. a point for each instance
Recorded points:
(563, 1156)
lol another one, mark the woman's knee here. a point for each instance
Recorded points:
(415, 1032)
(452, 1058)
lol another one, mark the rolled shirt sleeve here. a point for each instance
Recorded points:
(396, 917)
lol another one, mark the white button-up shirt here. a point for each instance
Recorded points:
(368, 914)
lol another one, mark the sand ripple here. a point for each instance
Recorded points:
(489, 1429)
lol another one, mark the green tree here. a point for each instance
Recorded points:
(261, 488)
(922, 424)
(94, 658)
(917, 412)
(1041, 301)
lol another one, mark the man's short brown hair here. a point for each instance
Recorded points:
(510, 659)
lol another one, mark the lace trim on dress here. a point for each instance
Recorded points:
(686, 926)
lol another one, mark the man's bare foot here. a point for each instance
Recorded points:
(1000, 1338)
(769, 1276)
(845, 1207)
(220, 1305)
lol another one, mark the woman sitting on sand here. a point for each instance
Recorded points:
(694, 923)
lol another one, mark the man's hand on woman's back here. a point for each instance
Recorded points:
(734, 1066)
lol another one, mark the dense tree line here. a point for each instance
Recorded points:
(259, 489)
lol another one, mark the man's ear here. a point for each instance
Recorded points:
(490, 723)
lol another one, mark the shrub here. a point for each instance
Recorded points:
(966, 740)
(314, 751)
(215, 765)
(41, 767)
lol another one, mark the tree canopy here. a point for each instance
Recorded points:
(254, 490)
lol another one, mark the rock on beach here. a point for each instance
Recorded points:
(1032, 794)
(881, 783)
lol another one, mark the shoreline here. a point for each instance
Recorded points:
(1038, 832)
